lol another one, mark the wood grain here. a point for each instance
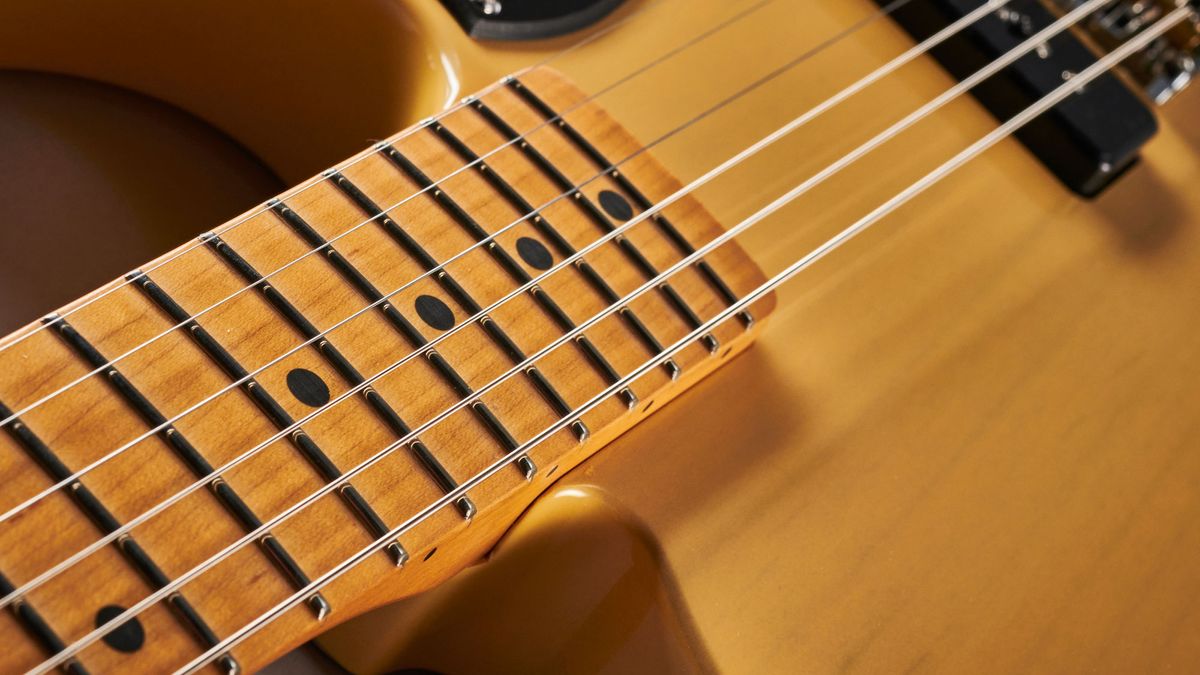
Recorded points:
(966, 440)
(88, 420)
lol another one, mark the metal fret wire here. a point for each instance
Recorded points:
(712, 174)
(296, 190)
(912, 53)
(702, 180)
(1064, 90)
(354, 160)
(920, 186)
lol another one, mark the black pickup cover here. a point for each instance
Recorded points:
(528, 19)
(1089, 138)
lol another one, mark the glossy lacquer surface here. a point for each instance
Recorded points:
(965, 442)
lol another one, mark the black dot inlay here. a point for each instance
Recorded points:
(128, 637)
(308, 387)
(534, 253)
(434, 312)
(615, 205)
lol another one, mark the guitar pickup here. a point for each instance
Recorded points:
(525, 20)
(1087, 140)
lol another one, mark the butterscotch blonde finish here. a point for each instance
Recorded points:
(85, 421)
(1003, 479)
(965, 444)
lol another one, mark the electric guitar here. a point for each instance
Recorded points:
(645, 336)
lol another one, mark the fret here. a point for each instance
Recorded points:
(78, 492)
(200, 467)
(36, 626)
(132, 396)
(446, 280)
(602, 163)
(567, 187)
(317, 457)
(246, 516)
(95, 510)
(236, 374)
(514, 198)
(405, 328)
(275, 412)
(598, 218)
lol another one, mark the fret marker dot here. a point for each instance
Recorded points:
(128, 637)
(615, 205)
(534, 253)
(308, 387)
(434, 312)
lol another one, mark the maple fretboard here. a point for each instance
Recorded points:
(242, 347)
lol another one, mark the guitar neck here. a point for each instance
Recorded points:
(167, 416)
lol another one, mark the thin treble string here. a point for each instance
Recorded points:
(324, 176)
(763, 213)
(316, 180)
(51, 489)
(762, 143)
(771, 138)
(342, 167)
(1064, 90)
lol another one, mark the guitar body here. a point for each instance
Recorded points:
(966, 442)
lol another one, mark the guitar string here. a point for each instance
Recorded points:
(832, 244)
(712, 174)
(316, 180)
(294, 192)
(266, 277)
(13, 511)
(1067, 88)
(716, 171)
